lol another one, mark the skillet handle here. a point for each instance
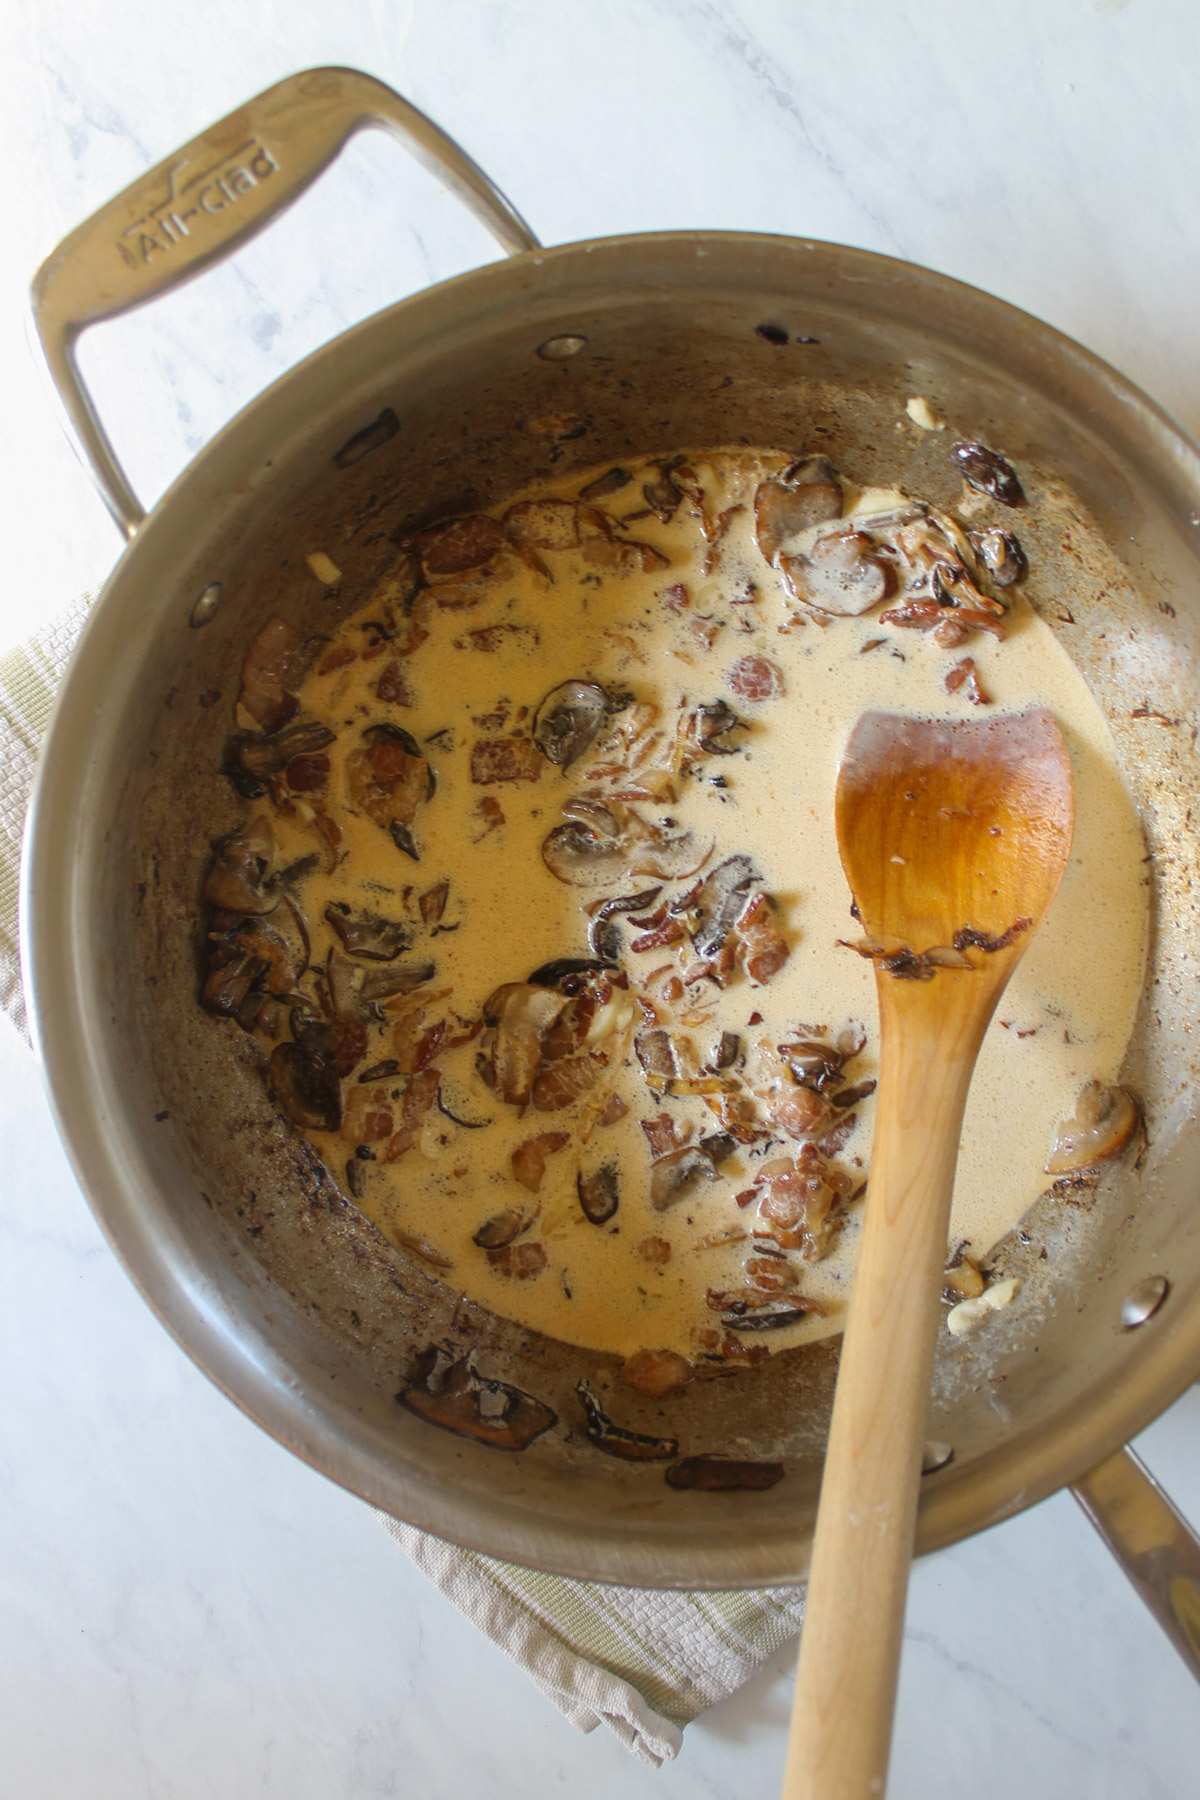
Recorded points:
(202, 203)
(1153, 1543)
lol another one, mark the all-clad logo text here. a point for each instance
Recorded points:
(189, 202)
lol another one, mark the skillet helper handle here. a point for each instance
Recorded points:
(866, 1521)
(1153, 1543)
(208, 199)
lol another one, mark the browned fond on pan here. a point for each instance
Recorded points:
(272, 1280)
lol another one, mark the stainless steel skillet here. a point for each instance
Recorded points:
(543, 365)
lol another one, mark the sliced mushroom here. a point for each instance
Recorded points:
(770, 1317)
(813, 1063)
(1103, 1123)
(711, 725)
(678, 1176)
(241, 868)
(280, 939)
(656, 1372)
(842, 573)
(617, 1440)
(718, 902)
(454, 1396)
(988, 473)
(599, 1193)
(569, 719)
(805, 495)
(1002, 556)
(500, 1229)
(604, 934)
(256, 757)
(587, 854)
(521, 1015)
(367, 935)
(305, 1087)
(355, 992)
(669, 852)
(722, 1474)
(228, 986)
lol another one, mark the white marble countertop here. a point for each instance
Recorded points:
(188, 1611)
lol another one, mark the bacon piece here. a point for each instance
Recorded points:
(675, 597)
(505, 759)
(416, 1100)
(460, 544)
(520, 1261)
(275, 660)
(754, 678)
(529, 1158)
(367, 1117)
(393, 685)
(670, 932)
(660, 1134)
(762, 949)
(965, 675)
(562, 1083)
(307, 774)
(623, 556)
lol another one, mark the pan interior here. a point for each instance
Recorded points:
(237, 1236)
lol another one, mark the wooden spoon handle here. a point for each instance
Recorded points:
(850, 1647)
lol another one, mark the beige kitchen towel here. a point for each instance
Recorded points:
(642, 1661)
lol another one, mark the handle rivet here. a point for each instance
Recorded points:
(206, 605)
(1143, 1301)
(561, 349)
(935, 1456)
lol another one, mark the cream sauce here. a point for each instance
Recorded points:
(496, 645)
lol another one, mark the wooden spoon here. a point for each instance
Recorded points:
(952, 834)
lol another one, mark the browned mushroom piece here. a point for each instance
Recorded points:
(228, 985)
(251, 758)
(544, 524)
(459, 544)
(988, 473)
(842, 573)
(1103, 1123)
(657, 1372)
(723, 1474)
(520, 1014)
(280, 939)
(562, 1083)
(663, 494)
(366, 935)
(453, 1395)
(618, 1440)
(677, 1176)
(356, 993)
(388, 779)
(714, 909)
(520, 1262)
(305, 1088)
(708, 729)
(275, 662)
(433, 902)
(667, 851)
(1002, 555)
(930, 615)
(241, 870)
(589, 850)
(751, 1314)
(568, 721)
(623, 556)
(500, 1229)
(599, 1193)
(611, 483)
(806, 494)
(813, 1063)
